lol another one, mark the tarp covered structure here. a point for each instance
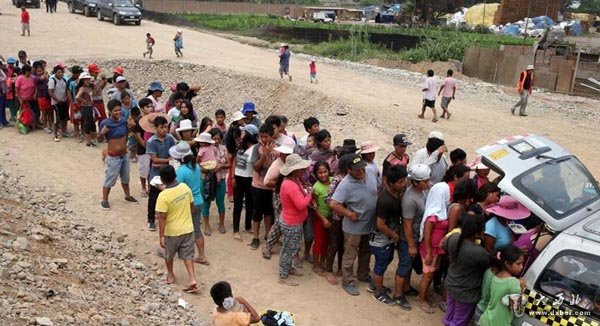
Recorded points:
(475, 15)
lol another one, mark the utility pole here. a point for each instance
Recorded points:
(526, 27)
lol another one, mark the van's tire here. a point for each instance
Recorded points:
(138, 22)
(116, 19)
(99, 15)
(86, 11)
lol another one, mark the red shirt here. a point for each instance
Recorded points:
(313, 68)
(25, 17)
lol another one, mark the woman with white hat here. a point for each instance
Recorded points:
(155, 91)
(186, 133)
(189, 173)
(295, 200)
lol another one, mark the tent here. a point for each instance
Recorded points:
(474, 15)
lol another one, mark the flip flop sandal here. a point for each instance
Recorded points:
(169, 282)
(428, 309)
(288, 282)
(192, 289)
(204, 262)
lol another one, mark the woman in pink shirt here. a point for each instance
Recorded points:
(26, 92)
(295, 200)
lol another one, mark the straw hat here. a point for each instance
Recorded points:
(368, 147)
(181, 150)
(285, 148)
(185, 125)
(292, 163)
(204, 138)
(147, 121)
(509, 208)
(85, 75)
(237, 116)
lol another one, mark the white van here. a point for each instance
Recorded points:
(563, 283)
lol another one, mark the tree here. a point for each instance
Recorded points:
(590, 6)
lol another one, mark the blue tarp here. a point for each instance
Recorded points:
(543, 22)
(576, 29)
(511, 30)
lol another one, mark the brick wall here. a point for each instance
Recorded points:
(514, 10)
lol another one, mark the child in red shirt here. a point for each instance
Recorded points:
(25, 21)
(313, 72)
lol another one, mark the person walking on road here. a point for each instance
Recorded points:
(284, 61)
(429, 95)
(25, 21)
(178, 39)
(149, 44)
(448, 90)
(524, 86)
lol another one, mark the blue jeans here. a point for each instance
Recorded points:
(405, 261)
(383, 257)
(3, 121)
(219, 198)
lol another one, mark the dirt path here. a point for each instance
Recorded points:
(392, 104)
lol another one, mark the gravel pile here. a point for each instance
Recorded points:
(57, 269)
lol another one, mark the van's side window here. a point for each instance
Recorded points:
(573, 278)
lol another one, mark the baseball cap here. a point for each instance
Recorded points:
(357, 162)
(119, 70)
(436, 134)
(251, 129)
(420, 172)
(76, 69)
(400, 139)
(120, 79)
(93, 68)
(11, 60)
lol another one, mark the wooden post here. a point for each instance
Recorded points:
(526, 27)
(575, 71)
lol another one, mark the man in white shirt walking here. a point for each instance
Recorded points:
(429, 95)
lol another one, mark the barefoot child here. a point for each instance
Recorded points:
(230, 310)
(25, 21)
(149, 44)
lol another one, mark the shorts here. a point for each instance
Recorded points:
(284, 69)
(25, 26)
(131, 144)
(101, 110)
(197, 221)
(383, 258)
(405, 261)
(116, 167)
(263, 203)
(446, 102)
(61, 112)
(44, 103)
(313, 75)
(308, 228)
(74, 113)
(144, 165)
(428, 103)
(182, 245)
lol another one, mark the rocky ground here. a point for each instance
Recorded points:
(58, 269)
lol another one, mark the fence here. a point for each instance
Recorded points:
(217, 7)
(556, 69)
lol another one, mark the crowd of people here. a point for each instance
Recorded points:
(331, 206)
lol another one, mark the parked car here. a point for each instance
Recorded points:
(323, 16)
(120, 11)
(563, 282)
(87, 7)
(26, 3)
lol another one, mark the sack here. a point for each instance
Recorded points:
(22, 128)
(26, 115)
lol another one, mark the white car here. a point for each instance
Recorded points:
(563, 283)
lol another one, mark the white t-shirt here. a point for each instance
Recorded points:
(431, 86)
(243, 166)
(60, 89)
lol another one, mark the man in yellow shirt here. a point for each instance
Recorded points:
(175, 227)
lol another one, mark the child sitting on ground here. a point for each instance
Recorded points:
(230, 311)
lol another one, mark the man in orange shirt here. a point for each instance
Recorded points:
(25, 21)
(524, 86)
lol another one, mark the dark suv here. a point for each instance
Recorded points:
(26, 3)
(120, 11)
(88, 7)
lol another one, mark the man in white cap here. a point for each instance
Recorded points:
(524, 86)
(120, 86)
(432, 155)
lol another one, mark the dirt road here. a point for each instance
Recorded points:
(390, 103)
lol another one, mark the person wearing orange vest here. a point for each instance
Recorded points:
(524, 86)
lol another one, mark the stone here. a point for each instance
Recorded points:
(121, 238)
(61, 262)
(21, 243)
(43, 321)
(24, 264)
(8, 256)
(124, 322)
(98, 247)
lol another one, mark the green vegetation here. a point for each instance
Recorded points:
(439, 44)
